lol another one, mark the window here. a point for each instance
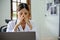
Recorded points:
(14, 4)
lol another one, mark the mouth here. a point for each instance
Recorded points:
(23, 21)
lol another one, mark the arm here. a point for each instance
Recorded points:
(28, 22)
(16, 26)
(19, 23)
(10, 26)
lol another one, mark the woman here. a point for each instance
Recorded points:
(23, 22)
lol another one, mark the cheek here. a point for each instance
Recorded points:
(27, 16)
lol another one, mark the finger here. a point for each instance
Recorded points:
(21, 15)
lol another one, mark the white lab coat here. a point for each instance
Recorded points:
(11, 25)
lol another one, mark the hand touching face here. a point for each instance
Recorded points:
(23, 14)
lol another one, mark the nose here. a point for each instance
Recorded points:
(23, 14)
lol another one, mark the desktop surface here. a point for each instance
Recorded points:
(17, 36)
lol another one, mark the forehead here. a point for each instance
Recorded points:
(23, 10)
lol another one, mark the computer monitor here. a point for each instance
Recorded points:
(17, 36)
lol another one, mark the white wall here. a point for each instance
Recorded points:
(4, 11)
(38, 9)
(0, 12)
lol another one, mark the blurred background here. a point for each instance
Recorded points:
(44, 12)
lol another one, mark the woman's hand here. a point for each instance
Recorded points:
(28, 22)
(20, 20)
(19, 23)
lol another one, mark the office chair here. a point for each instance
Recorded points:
(4, 27)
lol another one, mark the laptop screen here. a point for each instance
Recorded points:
(17, 36)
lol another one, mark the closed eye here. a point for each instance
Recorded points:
(25, 13)
(21, 13)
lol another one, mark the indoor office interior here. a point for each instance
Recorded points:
(45, 13)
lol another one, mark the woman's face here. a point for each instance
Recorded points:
(23, 12)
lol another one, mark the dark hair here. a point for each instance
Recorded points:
(22, 5)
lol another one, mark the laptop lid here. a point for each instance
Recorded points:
(17, 36)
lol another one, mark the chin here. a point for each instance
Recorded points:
(23, 21)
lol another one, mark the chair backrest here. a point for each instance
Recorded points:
(7, 20)
(3, 28)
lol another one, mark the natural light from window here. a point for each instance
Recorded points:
(23, 1)
(14, 5)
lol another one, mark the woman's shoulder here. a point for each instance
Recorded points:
(12, 22)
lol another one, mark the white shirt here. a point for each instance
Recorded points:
(11, 25)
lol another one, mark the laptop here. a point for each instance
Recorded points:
(17, 36)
